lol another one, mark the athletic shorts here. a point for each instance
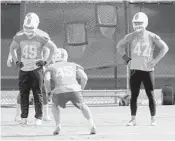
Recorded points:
(61, 99)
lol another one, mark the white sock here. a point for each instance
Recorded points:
(152, 117)
(46, 110)
(91, 122)
(18, 110)
(133, 117)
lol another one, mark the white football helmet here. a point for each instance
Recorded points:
(140, 21)
(60, 55)
(31, 23)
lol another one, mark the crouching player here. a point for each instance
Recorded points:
(67, 88)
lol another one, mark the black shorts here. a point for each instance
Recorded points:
(137, 77)
(61, 99)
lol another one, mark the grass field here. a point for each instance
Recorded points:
(110, 121)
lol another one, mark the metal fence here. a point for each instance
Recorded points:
(98, 50)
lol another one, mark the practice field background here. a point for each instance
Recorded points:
(110, 121)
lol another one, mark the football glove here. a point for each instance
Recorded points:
(19, 64)
(126, 58)
(50, 94)
(41, 63)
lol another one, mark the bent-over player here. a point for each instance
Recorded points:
(64, 75)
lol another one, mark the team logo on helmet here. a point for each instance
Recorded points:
(140, 21)
(60, 55)
(31, 22)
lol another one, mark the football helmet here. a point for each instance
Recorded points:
(140, 21)
(60, 55)
(31, 23)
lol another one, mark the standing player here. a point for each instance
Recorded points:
(46, 116)
(31, 42)
(142, 62)
(67, 88)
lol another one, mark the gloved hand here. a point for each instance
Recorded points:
(19, 64)
(126, 58)
(9, 63)
(50, 94)
(41, 63)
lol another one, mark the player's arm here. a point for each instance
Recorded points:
(13, 47)
(51, 47)
(122, 44)
(46, 53)
(163, 48)
(83, 77)
(47, 83)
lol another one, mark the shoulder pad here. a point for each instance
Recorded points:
(79, 67)
(43, 34)
(130, 36)
(154, 36)
(18, 35)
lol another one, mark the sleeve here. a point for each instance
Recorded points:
(44, 37)
(129, 37)
(78, 67)
(155, 37)
(16, 39)
(17, 36)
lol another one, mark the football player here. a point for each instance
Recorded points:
(46, 116)
(142, 43)
(67, 88)
(31, 42)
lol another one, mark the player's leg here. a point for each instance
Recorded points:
(18, 109)
(58, 100)
(24, 88)
(77, 100)
(46, 116)
(135, 82)
(148, 82)
(37, 84)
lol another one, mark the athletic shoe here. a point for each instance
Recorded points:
(23, 121)
(17, 118)
(38, 122)
(132, 123)
(93, 130)
(57, 130)
(46, 118)
(153, 122)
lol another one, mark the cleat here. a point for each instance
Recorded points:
(93, 130)
(23, 121)
(38, 122)
(132, 123)
(17, 118)
(153, 122)
(57, 130)
(46, 118)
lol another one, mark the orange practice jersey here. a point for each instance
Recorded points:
(64, 76)
(31, 49)
(142, 49)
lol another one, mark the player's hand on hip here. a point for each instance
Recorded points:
(19, 64)
(41, 63)
(151, 64)
(126, 58)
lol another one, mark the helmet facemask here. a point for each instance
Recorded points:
(30, 25)
(29, 31)
(140, 21)
(60, 56)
